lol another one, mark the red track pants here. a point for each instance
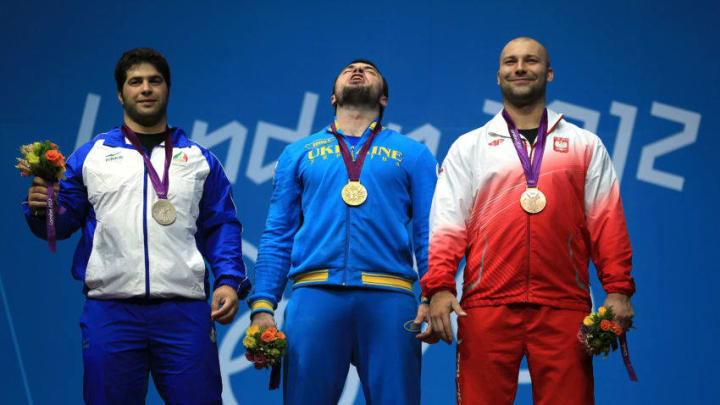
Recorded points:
(493, 340)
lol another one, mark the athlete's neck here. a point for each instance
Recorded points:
(526, 117)
(354, 120)
(156, 128)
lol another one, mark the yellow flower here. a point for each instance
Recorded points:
(601, 311)
(252, 330)
(587, 321)
(33, 159)
(249, 342)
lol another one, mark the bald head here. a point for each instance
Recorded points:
(526, 45)
(524, 72)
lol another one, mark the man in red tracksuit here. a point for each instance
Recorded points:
(528, 199)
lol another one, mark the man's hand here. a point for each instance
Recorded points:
(262, 320)
(622, 308)
(423, 315)
(441, 305)
(226, 297)
(37, 194)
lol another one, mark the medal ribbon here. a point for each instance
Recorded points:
(354, 167)
(50, 217)
(161, 187)
(626, 357)
(532, 170)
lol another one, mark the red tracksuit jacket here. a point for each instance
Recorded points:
(515, 257)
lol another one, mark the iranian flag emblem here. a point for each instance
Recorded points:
(180, 157)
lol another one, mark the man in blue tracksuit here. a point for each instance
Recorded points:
(338, 229)
(153, 207)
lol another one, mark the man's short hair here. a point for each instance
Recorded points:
(137, 56)
(368, 62)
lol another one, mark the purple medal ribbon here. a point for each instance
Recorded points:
(354, 167)
(275, 375)
(161, 187)
(50, 217)
(626, 357)
(532, 170)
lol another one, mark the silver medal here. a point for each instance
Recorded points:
(163, 212)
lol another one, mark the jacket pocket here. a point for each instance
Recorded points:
(579, 283)
(480, 269)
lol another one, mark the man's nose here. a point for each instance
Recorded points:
(146, 87)
(520, 68)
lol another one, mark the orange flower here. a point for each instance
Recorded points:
(281, 335)
(267, 336)
(272, 330)
(617, 329)
(55, 158)
(606, 325)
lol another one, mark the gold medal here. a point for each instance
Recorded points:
(533, 200)
(163, 212)
(354, 193)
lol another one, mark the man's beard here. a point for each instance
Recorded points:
(358, 96)
(145, 119)
(524, 99)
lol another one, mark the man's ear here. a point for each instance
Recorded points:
(383, 100)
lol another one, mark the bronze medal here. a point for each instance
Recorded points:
(533, 200)
(354, 193)
(163, 212)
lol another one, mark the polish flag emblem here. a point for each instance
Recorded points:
(561, 145)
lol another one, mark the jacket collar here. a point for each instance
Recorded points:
(115, 138)
(365, 134)
(498, 127)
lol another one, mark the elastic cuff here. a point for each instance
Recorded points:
(424, 300)
(629, 292)
(430, 292)
(227, 281)
(261, 306)
(240, 285)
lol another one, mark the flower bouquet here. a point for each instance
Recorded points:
(599, 334)
(44, 160)
(265, 348)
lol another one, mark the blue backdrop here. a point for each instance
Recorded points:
(249, 77)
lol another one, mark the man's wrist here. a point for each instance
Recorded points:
(260, 314)
(239, 285)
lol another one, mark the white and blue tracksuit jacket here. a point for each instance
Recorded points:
(123, 252)
(312, 237)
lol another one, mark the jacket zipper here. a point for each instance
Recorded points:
(347, 229)
(145, 236)
(527, 280)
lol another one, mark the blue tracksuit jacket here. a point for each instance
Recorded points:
(312, 237)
